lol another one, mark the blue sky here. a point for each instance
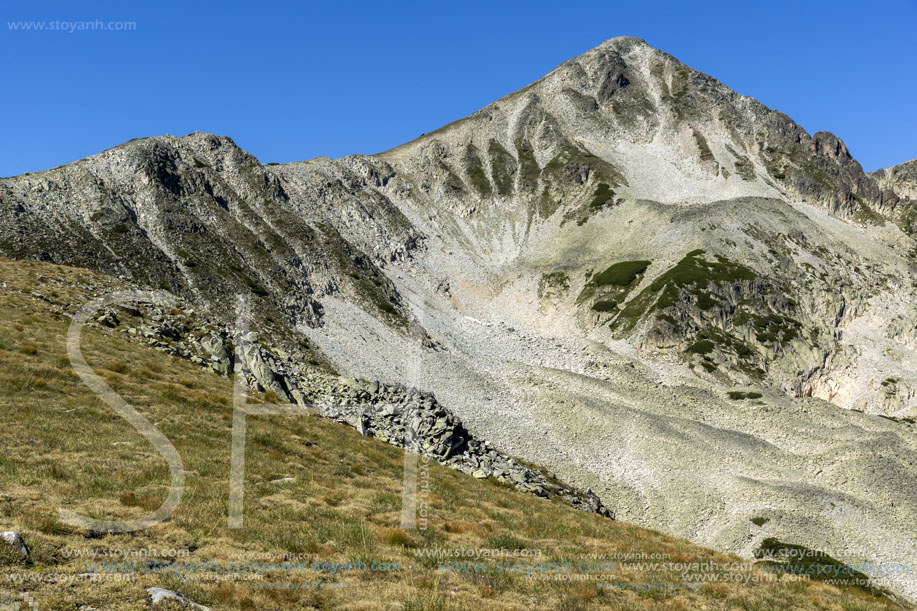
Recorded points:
(290, 81)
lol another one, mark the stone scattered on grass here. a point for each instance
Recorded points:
(14, 539)
(159, 595)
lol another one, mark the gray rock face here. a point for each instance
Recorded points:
(902, 179)
(159, 595)
(251, 364)
(220, 355)
(14, 539)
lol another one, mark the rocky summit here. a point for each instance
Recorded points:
(652, 286)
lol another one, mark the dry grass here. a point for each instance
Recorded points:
(63, 448)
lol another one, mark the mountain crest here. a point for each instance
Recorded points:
(621, 271)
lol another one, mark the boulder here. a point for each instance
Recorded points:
(254, 361)
(159, 595)
(220, 355)
(109, 318)
(14, 540)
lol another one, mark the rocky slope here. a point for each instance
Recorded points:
(318, 498)
(620, 272)
(404, 417)
(901, 178)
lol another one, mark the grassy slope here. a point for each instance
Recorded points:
(61, 447)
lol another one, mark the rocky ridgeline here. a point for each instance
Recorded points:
(404, 417)
(412, 419)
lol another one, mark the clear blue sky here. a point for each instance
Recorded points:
(290, 81)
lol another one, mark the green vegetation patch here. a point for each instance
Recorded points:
(528, 166)
(503, 167)
(705, 153)
(727, 342)
(867, 215)
(605, 305)
(621, 274)
(738, 395)
(256, 288)
(701, 346)
(696, 271)
(452, 182)
(743, 165)
(577, 168)
(712, 338)
(570, 154)
(770, 328)
(901, 420)
(611, 286)
(476, 173)
(776, 327)
(694, 275)
(602, 197)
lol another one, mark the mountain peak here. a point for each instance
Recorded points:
(623, 42)
(661, 130)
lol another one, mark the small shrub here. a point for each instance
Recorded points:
(57, 472)
(397, 536)
(46, 524)
(148, 502)
(701, 346)
(738, 395)
(621, 274)
(255, 288)
(603, 195)
(118, 367)
(606, 305)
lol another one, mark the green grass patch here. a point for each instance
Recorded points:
(503, 167)
(693, 270)
(693, 277)
(476, 173)
(701, 346)
(606, 305)
(602, 196)
(621, 274)
(738, 395)
(705, 153)
(613, 284)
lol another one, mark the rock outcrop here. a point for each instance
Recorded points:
(901, 178)
(404, 417)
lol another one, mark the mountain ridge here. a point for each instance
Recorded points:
(585, 271)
